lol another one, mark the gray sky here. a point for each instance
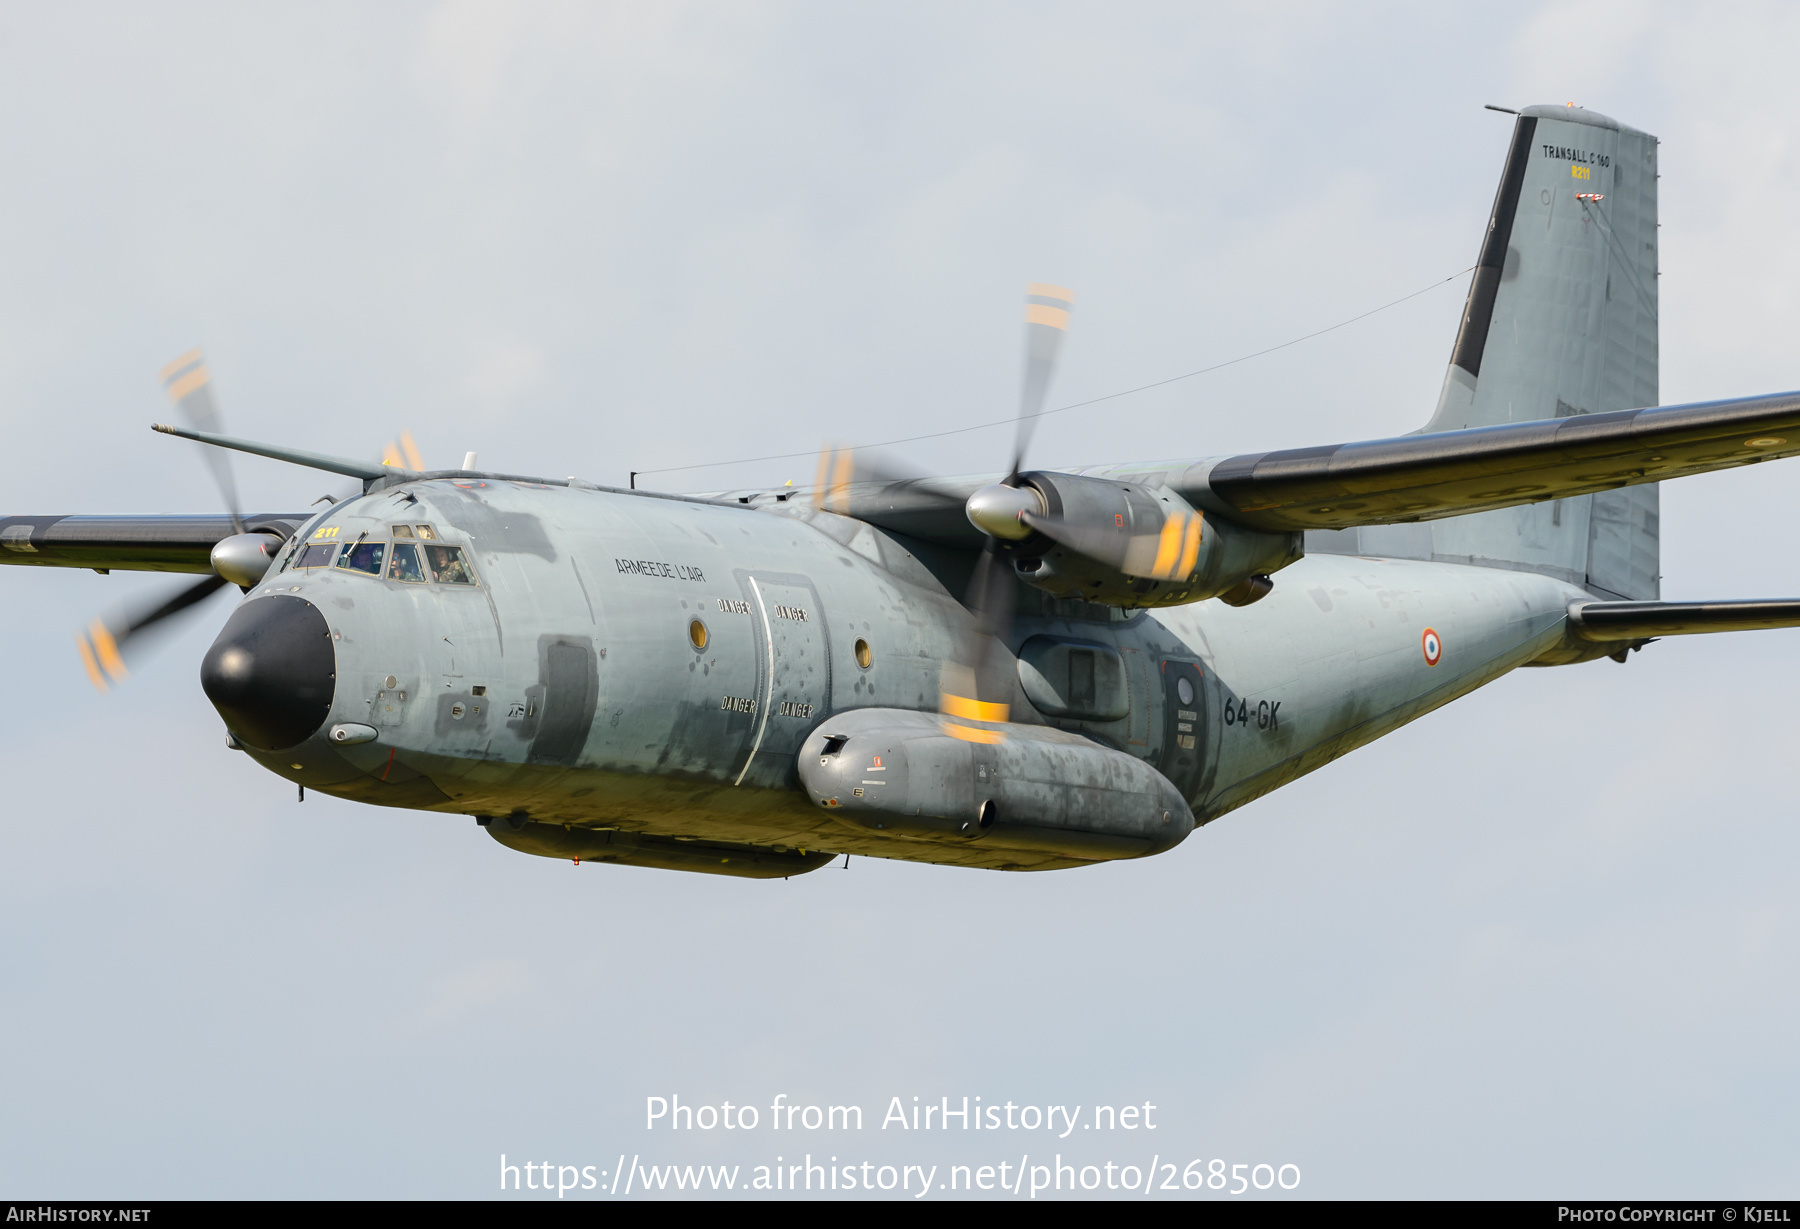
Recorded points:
(1541, 943)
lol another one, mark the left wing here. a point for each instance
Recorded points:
(1450, 473)
(1381, 482)
(129, 543)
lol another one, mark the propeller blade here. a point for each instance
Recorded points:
(981, 654)
(189, 386)
(991, 594)
(104, 643)
(1001, 514)
(842, 468)
(403, 453)
(1046, 320)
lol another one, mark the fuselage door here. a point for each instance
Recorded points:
(795, 672)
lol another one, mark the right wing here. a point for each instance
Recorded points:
(129, 543)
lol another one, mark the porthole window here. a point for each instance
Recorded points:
(1185, 690)
(865, 656)
(697, 634)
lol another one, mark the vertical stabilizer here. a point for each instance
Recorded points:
(1561, 319)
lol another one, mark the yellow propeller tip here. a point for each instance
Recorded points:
(89, 664)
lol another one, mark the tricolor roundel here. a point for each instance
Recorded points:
(1432, 646)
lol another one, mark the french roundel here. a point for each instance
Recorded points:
(1433, 647)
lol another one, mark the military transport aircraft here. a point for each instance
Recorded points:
(1021, 671)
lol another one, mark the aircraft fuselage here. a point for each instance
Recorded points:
(600, 660)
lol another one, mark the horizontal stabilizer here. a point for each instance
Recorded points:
(1622, 621)
(294, 456)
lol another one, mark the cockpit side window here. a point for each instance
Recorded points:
(316, 555)
(404, 564)
(448, 566)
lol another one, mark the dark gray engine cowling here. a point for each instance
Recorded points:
(1041, 788)
(1228, 554)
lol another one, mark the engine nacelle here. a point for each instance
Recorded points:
(1035, 788)
(1152, 528)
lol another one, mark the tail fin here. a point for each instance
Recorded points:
(1561, 319)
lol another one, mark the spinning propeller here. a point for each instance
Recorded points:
(991, 590)
(1000, 511)
(104, 643)
(125, 631)
(1122, 543)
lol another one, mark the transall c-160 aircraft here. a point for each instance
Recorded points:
(1022, 671)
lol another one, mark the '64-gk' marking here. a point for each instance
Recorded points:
(1265, 716)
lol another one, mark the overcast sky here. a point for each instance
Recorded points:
(1543, 942)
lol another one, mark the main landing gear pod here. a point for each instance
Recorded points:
(1031, 787)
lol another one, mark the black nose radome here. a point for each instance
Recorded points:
(272, 671)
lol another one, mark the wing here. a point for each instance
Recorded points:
(128, 543)
(1450, 473)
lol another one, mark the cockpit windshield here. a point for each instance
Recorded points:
(404, 564)
(362, 557)
(422, 560)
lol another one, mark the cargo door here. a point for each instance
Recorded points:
(794, 673)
